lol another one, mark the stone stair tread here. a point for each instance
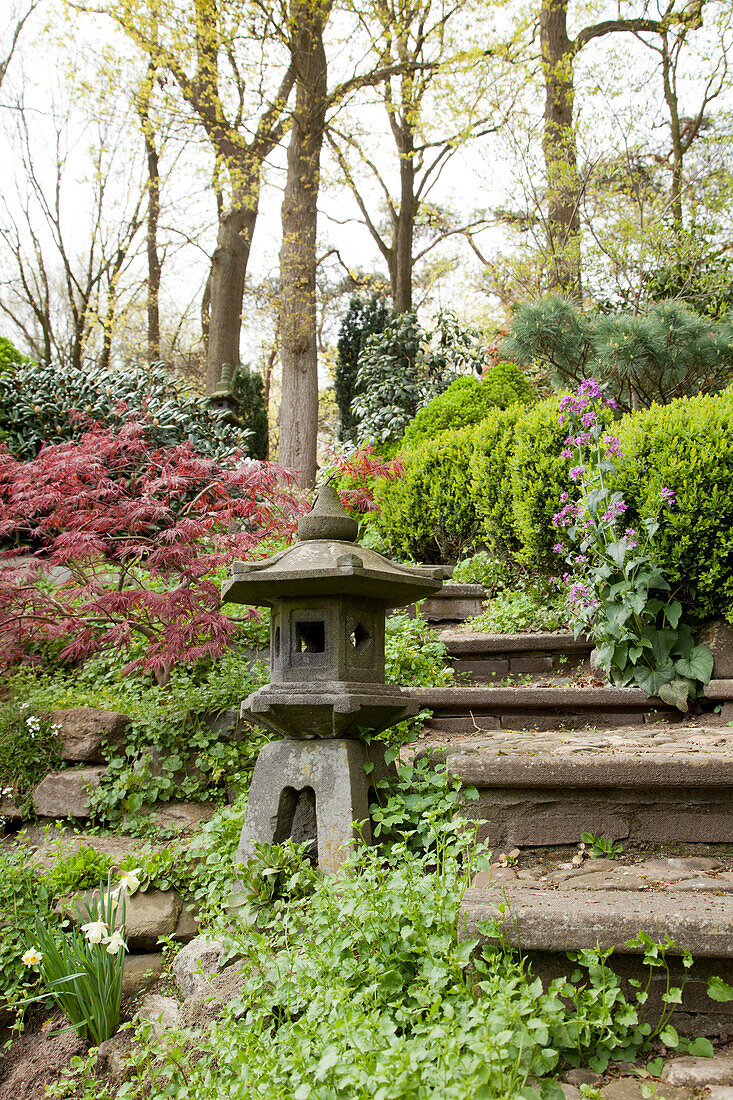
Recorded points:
(692, 756)
(563, 917)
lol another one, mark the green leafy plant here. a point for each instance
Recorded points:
(37, 402)
(278, 873)
(29, 749)
(494, 573)
(250, 415)
(620, 594)
(420, 811)
(81, 968)
(601, 847)
(81, 870)
(25, 898)
(537, 604)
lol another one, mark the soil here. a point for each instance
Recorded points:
(38, 1057)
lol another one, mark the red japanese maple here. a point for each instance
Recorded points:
(141, 531)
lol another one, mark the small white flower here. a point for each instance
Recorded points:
(130, 880)
(32, 957)
(95, 931)
(114, 943)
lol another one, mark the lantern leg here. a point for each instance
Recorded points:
(340, 772)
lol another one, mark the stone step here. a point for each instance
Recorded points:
(454, 603)
(547, 915)
(663, 784)
(484, 657)
(536, 707)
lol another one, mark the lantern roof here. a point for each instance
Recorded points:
(325, 561)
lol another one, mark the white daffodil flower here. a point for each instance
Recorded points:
(114, 943)
(130, 880)
(95, 931)
(32, 957)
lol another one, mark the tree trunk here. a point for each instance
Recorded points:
(670, 97)
(154, 264)
(226, 281)
(298, 348)
(401, 257)
(558, 144)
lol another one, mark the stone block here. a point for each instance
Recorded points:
(182, 816)
(209, 999)
(9, 810)
(115, 1058)
(85, 731)
(632, 1088)
(699, 1072)
(479, 668)
(140, 972)
(66, 794)
(197, 962)
(718, 637)
(149, 914)
(160, 1011)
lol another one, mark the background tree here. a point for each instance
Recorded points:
(364, 317)
(18, 17)
(427, 45)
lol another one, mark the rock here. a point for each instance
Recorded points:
(183, 816)
(718, 637)
(720, 1092)
(595, 661)
(211, 997)
(160, 1011)
(482, 879)
(9, 810)
(570, 1092)
(197, 962)
(85, 731)
(66, 794)
(581, 1076)
(630, 1088)
(698, 1072)
(140, 972)
(115, 1057)
(694, 863)
(149, 915)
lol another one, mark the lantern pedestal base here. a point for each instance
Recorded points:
(334, 770)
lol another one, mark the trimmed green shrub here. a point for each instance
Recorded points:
(494, 440)
(687, 447)
(538, 478)
(9, 355)
(429, 513)
(468, 401)
(37, 403)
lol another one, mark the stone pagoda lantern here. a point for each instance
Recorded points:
(327, 693)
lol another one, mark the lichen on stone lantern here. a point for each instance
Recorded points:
(327, 693)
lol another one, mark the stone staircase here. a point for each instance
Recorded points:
(482, 658)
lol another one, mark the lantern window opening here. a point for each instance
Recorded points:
(359, 636)
(310, 637)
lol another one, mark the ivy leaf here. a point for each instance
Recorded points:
(718, 990)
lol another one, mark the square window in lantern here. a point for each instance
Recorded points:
(310, 637)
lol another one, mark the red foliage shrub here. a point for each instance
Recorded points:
(141, 531)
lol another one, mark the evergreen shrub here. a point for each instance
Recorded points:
(37, 404)
(429, 514)
(494, 440)
(687, 447)
(468, 401)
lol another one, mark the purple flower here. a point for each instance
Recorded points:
(559, 548)
(563, 497)
(587, 419)
(590, 388)
(616, 508)
(576, 472)
(630, 536)
(581, 559)
(567, 453)
(611, 402)
(667, 496)
(612, 445)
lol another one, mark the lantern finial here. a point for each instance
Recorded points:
(327, 519)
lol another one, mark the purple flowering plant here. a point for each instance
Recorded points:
(616, 591)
